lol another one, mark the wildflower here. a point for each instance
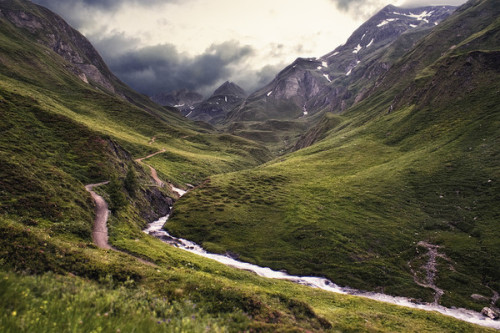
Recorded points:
(14, 313)
(118, 330)
(106, 314)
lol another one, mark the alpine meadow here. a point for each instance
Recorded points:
(358, 191)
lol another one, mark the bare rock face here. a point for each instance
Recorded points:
(25, 20)
(215, 108)
(159, 205)
(339, 79)
(182, 99)
(52, 31)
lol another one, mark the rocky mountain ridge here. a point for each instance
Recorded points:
(338, 79)
(182, 99)
(52, 31)
(215, 108)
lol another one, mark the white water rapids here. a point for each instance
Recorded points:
(156, 229)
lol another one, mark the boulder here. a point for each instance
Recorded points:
(490, 313)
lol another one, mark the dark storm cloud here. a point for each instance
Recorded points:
(115, 44)
(157, 68)
(161, 68)
(81, 13)
(267, 73)
(99, 4)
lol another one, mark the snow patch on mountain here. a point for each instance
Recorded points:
(420, 17)
(384, 22)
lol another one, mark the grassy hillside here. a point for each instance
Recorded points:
(417, 161)
(52, 284)
(59, 133)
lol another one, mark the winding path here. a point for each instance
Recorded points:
(100, 229)
(100, 237)
(154, 174)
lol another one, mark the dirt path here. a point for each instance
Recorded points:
(139, 160)
(100, 229)
(154, 174)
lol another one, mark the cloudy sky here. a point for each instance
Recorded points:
(164, 45)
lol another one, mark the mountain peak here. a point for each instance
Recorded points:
(230, 88)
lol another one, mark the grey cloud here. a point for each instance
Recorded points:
(81, 13)
(160, 68)
(113, 45)
(267, 74)
(365, 8)
(100, 4)
(157, 68)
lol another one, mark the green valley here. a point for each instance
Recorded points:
(372, 190)
(416, 161)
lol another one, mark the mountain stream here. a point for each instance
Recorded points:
(156, 229)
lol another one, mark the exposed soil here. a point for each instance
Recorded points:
(154, 174)
(100, 229)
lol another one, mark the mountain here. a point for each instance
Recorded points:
(68, 146)
(214, 109)
(339, 79)
(182, 99)
(398, 193)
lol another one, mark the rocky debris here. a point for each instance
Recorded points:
(479, 298)
(490, 313)
(429, 268)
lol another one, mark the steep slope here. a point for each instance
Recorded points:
(63, 127)
(181, 99)
(401, 194)
(59, 133)
(340, 78)
(214, 109)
